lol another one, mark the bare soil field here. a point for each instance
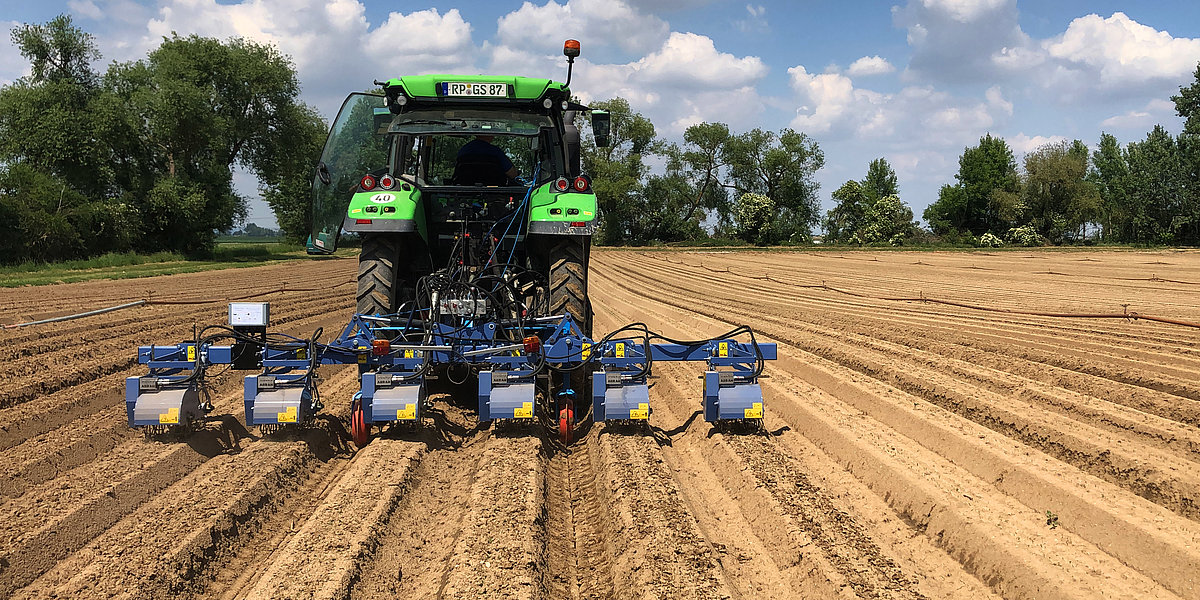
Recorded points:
(916, 449)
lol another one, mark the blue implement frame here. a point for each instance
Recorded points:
(394, 372)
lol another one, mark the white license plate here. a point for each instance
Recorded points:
(492, 90)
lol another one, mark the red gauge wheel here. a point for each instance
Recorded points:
(358, 424)
(566, 425)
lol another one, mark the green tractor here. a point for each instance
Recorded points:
(399, 170)
(468, 196)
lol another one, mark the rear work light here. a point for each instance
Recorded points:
(561, 184)
(367, 183)
(581, 184)
(386, 182)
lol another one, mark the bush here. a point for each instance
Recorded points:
(1024, 235)
(753, 214)
(988, 240)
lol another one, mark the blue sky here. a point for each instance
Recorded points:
(913, 81)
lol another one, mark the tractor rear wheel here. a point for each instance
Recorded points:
(385, 273)
(378, 274)
(568, 256)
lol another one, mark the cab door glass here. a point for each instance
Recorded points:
(355, 147)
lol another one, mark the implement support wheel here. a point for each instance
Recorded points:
(566, 424)
(358, 424)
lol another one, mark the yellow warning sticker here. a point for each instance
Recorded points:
(641, 412)
(620, 351)
(525, 412)
(287, 416)
(408, 354)
(171, 417)
(754, 412)
(362, 355)
(587, 351)
(191, 353)
(408, 413)
(302, 354)
(723, 349)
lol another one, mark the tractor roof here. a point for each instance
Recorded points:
(521, 88)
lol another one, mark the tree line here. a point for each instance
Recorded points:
(755, 186)
(141, 156)
(1147, 192)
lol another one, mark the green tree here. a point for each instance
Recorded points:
(702, 163)
(1187, 105)
(58, 51)
(197, 108)
(986, 197)
(780, 167)
(618, 170)
(1109, 173)
(859, 218)
(847, 216)
(887, 220)
(1058, 200)
(754, 214)
(1156, 187)
(880, 182)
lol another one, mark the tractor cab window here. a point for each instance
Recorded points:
(521, 137)
(445, 160)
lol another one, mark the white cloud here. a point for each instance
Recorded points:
(831, 105)
(1156, 111)
(829, 97)
(689, 60)
(86, 8)
(545, 27)
(684, 82)
(1024, 144)
(964, 11)
(755, 21)
(955, 40)
(870, 65)
(1122, 51)
(422, 41)
(996, 100)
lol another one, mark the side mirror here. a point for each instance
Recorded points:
(323, 174)
(382, 119)
(601, 127)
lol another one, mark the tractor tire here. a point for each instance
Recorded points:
(379, 274)
(568, 258)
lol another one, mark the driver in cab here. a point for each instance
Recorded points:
(481, 163)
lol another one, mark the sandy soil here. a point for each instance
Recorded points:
(916, 449)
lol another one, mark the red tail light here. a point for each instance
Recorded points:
(581, 184)
(532, 344)
(380, 347)
(386, 182)
(367, 183)
(578, 224)
(561, 184)
(362, 221)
